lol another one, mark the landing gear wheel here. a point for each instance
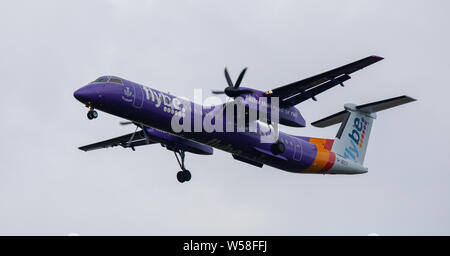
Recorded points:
(180, 177)
(186, 175)
(92, 114)
(277, 148)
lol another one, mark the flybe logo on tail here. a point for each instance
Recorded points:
(356, 138)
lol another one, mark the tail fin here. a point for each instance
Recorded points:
(356, 123)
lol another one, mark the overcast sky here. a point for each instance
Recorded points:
(48, 49)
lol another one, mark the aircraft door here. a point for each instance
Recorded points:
(298, 151)
(138, 101)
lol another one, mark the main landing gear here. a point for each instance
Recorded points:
(184, 174)
(92, 114)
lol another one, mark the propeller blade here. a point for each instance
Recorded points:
(227, 76)
(126, 123)
(239, 80)
(217, 92)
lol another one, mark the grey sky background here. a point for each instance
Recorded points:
(49, 49)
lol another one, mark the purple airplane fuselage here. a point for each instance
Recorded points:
(155, 110)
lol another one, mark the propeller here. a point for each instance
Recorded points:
(233, 89)
(126, 123)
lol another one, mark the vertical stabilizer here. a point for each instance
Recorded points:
(356, 124)
(353, 136)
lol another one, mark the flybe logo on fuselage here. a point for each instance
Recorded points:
(159, 97)
(356, 138)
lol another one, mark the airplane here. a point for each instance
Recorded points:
(153, 111)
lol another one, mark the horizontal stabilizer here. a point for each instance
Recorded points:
(331, 120)
(366, 108)
(384, 104)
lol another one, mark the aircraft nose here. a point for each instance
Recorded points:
(84, 95)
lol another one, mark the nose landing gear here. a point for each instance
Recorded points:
(92, 114)
(184, 174)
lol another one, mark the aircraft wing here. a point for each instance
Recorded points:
(297, 92)
(152, 136)
(137, 140)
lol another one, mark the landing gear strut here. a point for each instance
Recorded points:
(92, 114)
(184, 174)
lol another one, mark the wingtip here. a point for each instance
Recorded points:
(411, 99)
(377, 57)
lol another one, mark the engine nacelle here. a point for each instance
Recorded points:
(289, 116)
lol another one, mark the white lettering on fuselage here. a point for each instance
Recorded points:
(245, 114)
(160, 97)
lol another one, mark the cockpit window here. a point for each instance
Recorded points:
(105, 79)
(101, 80)
(115, 80)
